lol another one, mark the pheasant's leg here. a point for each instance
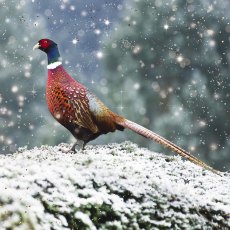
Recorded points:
(84, 144)
(73, 147)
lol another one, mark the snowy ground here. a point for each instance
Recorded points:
(116, 186)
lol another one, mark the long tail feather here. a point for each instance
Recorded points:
(159, 139)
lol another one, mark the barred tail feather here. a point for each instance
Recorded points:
(159, 139)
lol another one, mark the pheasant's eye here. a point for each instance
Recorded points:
(45, 42)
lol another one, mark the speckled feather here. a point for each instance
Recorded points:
(77, 109)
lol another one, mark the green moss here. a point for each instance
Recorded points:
(100, 214)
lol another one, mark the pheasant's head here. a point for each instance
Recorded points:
(45, 45)
(50, 48)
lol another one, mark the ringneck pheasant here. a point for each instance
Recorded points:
(83, 114)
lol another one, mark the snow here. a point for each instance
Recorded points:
(112, 186)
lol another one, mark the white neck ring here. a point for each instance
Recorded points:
(54, 65)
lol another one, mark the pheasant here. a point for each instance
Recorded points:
(83, 114)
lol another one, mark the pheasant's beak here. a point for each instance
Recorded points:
(37, 46)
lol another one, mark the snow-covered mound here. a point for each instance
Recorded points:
(116, 186)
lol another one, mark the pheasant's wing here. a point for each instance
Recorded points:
(80, 103)
(103, 117)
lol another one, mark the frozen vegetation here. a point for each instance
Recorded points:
(116, 186)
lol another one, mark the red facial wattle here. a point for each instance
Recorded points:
(45, 43)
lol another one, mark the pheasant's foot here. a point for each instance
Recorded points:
(84, 144)
(71, 150)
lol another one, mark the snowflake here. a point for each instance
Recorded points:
(107, 22)
(14, 89)
(75, 41)
(212, 43)
(33, 91)
(179, 58)
(136, 86)
(72, 7)
(99, 55)
(202, 123)
(210, 32)
(166, 26)
(136, 49)
(84, 13)
(97, 31)
(213, 146)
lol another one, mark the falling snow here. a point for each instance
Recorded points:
(166, 26)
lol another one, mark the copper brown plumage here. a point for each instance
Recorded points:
(83, 114)
(68, 102)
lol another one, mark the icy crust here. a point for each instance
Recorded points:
(116, 186)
